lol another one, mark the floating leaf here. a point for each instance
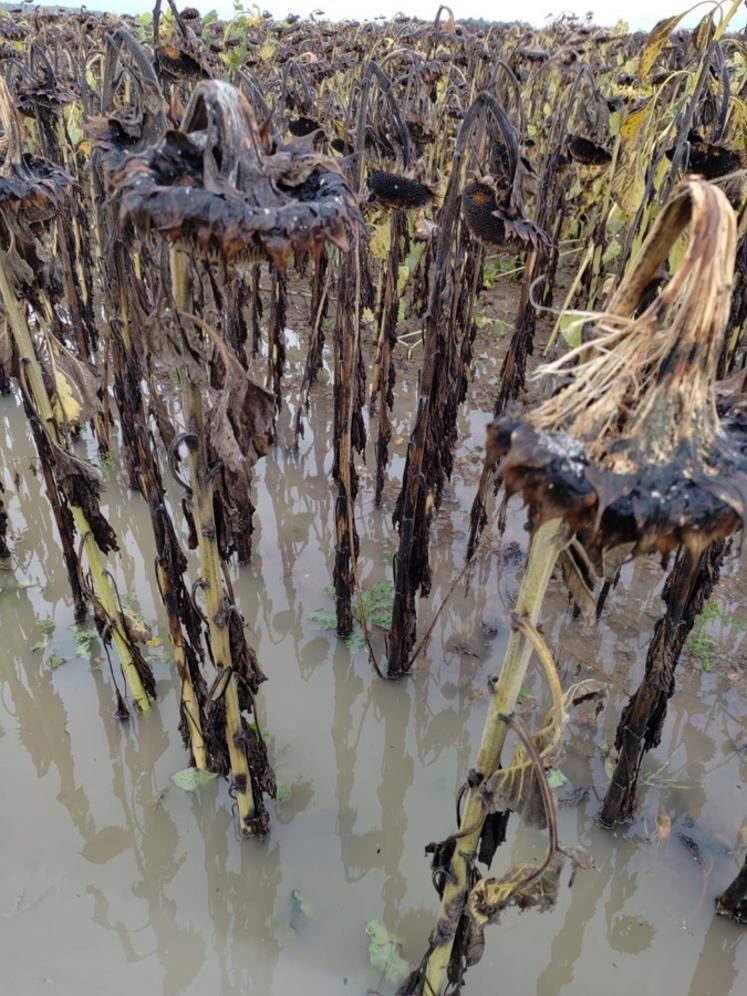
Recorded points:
(556, 779)
(55, 661)
(190, 779)
(384, 953)
(283, 792)
(45, 626)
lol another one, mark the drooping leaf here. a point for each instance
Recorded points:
(656, 42)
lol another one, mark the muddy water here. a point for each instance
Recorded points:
(108, 884)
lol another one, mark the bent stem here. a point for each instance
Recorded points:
(548, 542)
(217, 617)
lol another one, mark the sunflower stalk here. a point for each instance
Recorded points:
(102, 590)
(548, 542)
(148, 480)
(210, 565)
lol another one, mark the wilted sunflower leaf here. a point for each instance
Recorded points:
(523, 886)
(655, 43)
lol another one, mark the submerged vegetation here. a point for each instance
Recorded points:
(173, 186)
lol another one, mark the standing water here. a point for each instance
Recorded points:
(113, 880)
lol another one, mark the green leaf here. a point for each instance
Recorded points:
(571, 328)
(611, 253)
(55, 662)
(324, 618)
(384, 953)
(86, 640)
(556, 779)
(45, 626)
(190, 779)
(283, 792)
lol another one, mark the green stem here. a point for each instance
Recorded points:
(547, 543)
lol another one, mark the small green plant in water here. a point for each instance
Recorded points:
(377, 610)
(704, 647)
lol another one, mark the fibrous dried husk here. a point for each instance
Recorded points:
(631, 449)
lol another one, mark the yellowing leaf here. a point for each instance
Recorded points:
(66, 407)
(379, 245)
(631, 126)
(267, 51)
(631, 194)
(703, 33)
(662, 168)
(655, 43)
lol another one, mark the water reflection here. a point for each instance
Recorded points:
(175, 902)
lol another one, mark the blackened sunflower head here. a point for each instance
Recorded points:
(32, 190)
(632, 449)
(221, 187)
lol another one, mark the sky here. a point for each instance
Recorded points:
(639, 14)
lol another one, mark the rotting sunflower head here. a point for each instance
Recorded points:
(32, 190)
(221, 187)
(586, 152)
(709, 160)
(142, 121)
(41, 89)
(631, 450)
(495, 219)
(401, 193)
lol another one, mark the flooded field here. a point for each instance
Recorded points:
(113, 880)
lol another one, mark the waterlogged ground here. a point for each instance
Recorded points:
(113, 882)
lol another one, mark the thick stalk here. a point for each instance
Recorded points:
(152, 491)
(547, 543)
(733, 901)
(202, 508)
(102, 587)
(103, 592)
